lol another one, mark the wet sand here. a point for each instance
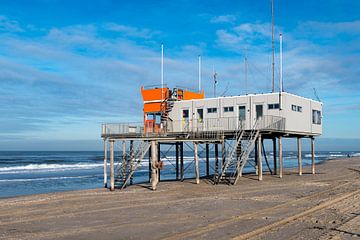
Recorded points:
(321, 206)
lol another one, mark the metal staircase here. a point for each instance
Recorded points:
(242, 147)
(129, 165)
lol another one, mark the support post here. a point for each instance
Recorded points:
(124, 162)
(197, 174)
(223, 155)
(299, 155)
(132, 159)
(280, 158)
(158, 157)
(105, 163)
(112, 173)
(313, 155)
(150, 152)
(275, 157)
(182, 161)
(207, 161)
(256, 158)
(259, 160)
(177, 160)
(154, 167)
(216, 161)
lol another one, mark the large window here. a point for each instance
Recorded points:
(296, 108)
(316, 117)
(211, 110)
(242, 113)
(273, 106)
(200, 115)
(228, 109)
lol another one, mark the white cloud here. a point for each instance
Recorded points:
(330, 29)
(8, 25)
(223, 19)
(131, 31)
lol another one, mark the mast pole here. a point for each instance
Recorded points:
(272, 46)
(199, 73)
(162, 71)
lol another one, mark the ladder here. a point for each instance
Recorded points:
(130, 164)
(228, 168)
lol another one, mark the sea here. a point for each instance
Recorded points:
(35, 172)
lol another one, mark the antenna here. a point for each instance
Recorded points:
(272, 46)
(215, 81)
(246, 68)
(316, 95)
(281, 66)
(199, 73)
(162, 71)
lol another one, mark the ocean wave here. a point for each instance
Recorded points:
(42, 179)
(49, 167)
(355, 155)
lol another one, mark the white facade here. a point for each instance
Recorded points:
(301, 115)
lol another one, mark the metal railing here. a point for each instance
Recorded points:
(267, 122)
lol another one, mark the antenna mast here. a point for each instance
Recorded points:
(246, 66)
(281, 66)
(199, 73)
(162, 71)
(272, 46)
(215, 81)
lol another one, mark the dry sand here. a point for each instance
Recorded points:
(321, 206)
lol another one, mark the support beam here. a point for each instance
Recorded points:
(299, 155)
(132, 159)
(105, 163)
(275, 157)
(177, 160)
(207, 161)
(216, 161)
(154, 165)
(112, 171)
(259, 160)
(124, 160)
(256, 158)
(159, 157)
(223, 155)
(182, 161)
(150, 152)
(197, 174)
(313, 155)
(280, 158)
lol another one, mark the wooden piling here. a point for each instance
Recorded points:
(280, 158)
(124, 160)
(154, 167)
(223, 154)
(216, 161)
(112, 171)
(256, 158)
(105, 163)
(259, 160)
(207, 161)
(313, 155)
(150, 164)
(131, 151)
(197, 174)
(182, 161)
(159, 157)
(275, 157)
(299, 155)
(177, 160)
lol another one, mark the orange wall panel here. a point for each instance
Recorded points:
(152, 107)
(154, 93)
(193, 95)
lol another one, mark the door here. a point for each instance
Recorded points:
(242, 116)
(259, 113)
(185, 120)
(200, 119)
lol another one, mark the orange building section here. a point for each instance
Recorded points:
(193, 95)
(154, 94)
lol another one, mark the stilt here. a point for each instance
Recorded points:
(280, 158)
(159, 157)
(177, 160)
(150, 152)
(182, 161)
(105, 163)
(112, 173)
(131, 159)
(216, 161)
(313, 155)
(299, 155)
(274, 154)
(256, 158)
(207, 161)
(259, 160)
(223, 155)
(197, 174)
(154, 167)
(124, 160)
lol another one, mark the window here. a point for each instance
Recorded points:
(273, 106)
(296, 108)
(186, 114)
(242, 113)
(316, 117)
(228, 109)
(299, 109)
(259, 111)
(293, 107)
(200, 113)
(212, 110)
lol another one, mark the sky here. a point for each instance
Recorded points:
(68, 66)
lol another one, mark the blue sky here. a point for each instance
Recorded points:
(68, 66)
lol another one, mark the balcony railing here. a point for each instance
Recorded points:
(226, 124)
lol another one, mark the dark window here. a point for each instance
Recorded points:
(299, 109)
(259, 111)
(242, 113)
(228, 109)
(212, 110)
(316, 117)
(200, 113)
(293, 107)
(273, 106)
(185, 113)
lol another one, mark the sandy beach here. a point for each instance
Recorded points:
(321, 206)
